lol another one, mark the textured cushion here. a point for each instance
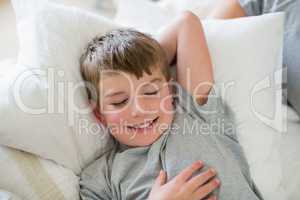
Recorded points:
(31, 177)
(44, 106)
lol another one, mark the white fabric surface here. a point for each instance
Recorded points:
(47, 78)
(289, 156)
(32, 178)
(202, 7)
(28, 176)
(5, 195)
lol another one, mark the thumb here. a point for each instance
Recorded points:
(161, 179)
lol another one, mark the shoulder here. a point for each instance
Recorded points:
(99, 166)
(95, 179)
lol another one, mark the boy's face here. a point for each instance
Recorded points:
(137, 111)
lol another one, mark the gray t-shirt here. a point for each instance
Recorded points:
(291, 47)
(197, 133)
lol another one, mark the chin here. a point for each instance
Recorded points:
(144, 141)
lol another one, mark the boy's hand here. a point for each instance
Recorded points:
(182, 187)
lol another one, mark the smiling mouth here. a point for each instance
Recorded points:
(144, 126)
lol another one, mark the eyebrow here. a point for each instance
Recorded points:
(114, 94)
(121, 92)
(156, 80)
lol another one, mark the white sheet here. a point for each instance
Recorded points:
(290, 159)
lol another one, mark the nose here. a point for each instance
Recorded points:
(139, 108)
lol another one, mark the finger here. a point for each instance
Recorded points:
(200, 179)
(206, 189)
(213, 197)
(188, 172)
(161, 179)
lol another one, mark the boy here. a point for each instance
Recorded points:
(153, 128)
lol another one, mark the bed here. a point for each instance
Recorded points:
(28, 176)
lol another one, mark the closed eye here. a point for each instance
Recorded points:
(120, 103)
(151, 93)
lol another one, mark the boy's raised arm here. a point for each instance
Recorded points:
(184, 42)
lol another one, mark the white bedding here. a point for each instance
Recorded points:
(290, 159)
(32, 178)
(5, 195)
(288, 148)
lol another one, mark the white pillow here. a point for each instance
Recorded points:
(148, 16)
(104, 7)
(202, 7)
(5, 195)
(131, 13)
(248, 53)
(52, 38)
(33, 178)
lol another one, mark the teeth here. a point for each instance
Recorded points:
(143, 125)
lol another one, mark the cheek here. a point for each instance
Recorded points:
(166, 103)
(115, 118)
(112, 119)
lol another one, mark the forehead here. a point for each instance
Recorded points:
(118, 80)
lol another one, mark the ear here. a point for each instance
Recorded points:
(96, 112)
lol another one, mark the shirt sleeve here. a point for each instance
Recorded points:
(252, 7)
(214, 112)
(95, 180)
(207, 112)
